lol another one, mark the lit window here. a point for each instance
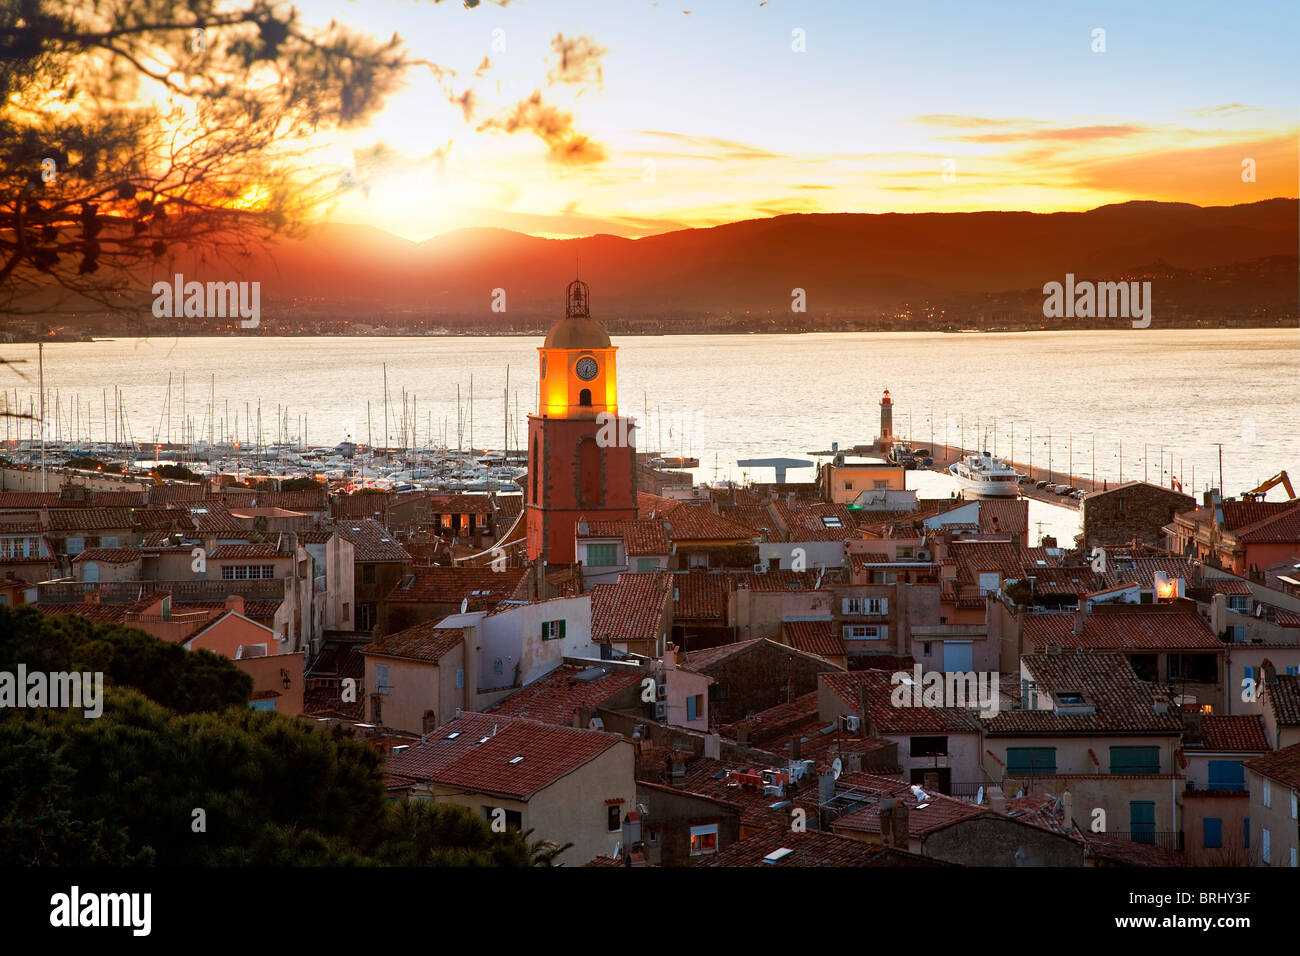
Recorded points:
(704, 840)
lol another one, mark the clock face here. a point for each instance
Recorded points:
(587, 368)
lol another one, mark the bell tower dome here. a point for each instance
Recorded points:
(577, 370)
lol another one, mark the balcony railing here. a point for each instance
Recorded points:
(1165, 839)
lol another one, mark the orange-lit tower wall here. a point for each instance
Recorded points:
(886, 419)
(581, 455)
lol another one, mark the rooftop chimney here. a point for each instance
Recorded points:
(1081, 617)
(679, 768)
(235, 602)
(893, 823)
(997, 799)
(1067, 808)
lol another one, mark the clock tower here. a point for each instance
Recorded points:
(581, 454)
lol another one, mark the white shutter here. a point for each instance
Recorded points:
(884, 605)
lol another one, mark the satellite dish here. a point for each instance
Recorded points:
(837, 767)
(979, 797)
(464, 604)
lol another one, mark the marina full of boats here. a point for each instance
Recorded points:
(355, 466)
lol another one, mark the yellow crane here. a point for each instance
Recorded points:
(1281, 478)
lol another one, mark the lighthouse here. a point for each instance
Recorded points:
(886, 421)
(581, 454)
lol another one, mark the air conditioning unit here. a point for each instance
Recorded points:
(760, 568)
(922, 555)
(661, 710)
(661, 691)
(852, 722)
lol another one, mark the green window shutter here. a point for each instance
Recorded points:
(1134, 759)
(1025, 761)
(602, 555)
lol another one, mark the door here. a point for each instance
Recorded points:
(958, 656)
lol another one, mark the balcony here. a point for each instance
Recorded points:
(1165, 839)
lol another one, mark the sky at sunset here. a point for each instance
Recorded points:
(660, 120)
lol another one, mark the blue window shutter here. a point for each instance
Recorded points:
(1246, 829)
(690, 708)
(1227, 775)
(1142, 820)
(1212, 832)
(1248, 671)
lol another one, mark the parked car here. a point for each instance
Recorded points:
(1080, 494)
(1040, 485)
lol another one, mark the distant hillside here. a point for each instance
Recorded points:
(848, 264)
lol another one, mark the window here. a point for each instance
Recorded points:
(1265, 849)
(695, 707)
(381, 678)
(367, 616)
(1134, 759)
(881, 485)
(1212, 833)
(614, 820)
(584, 397)
(1294, 806)
(989, 581)
(929, 746)
(1237, 602)
(1268, 793)
(367, 574)
(553, 630)
(109, 541)
(647, 564)
(247, 572)
(1029, 761)
(514, 818)
(832, 521)
(602, 555)
(862, 632)
(76, 545)
(1227, 775)
(704, 840)
(699, 560)
(1120, 507)
(848, 486)
(857, 605)
(1245, 829)
(925, 649)
(1142, 820)
(347, 612)
(1293, 856)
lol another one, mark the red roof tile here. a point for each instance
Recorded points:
(883, 716)
(641, 537)
(372, 542)
(555, 698)
(631, 609)
(482, 587)
(424, 642)
(1121, 630)
(809, 848)
(1244, 733)
(698, 523)
(699, 596)
(479, 758)
(238, 551)
(110, 555)
(815, 637)
(1281, 765)
(1282, 695)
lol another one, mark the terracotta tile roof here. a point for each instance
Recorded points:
(883, 716)
(702, 660)
(484, 766)
(631, 609)
(372, 542)
(358, 505)
(815, 637)
(451, 585)
(260, 611)
(809, 848)
(1228, 586)
(510, 506)
(757, 518)
(973, 557)
(1123, 703)
(237, 551)
(114, 613)
(424, 642)
(1256, 522)
(654, 506)
(777, 720)
(698, 523)
(162, 494)
(1283, 697)
(1121, 630)
(805, 523)
(460, 504)
(1226, 732)
(1074, 580)
(1281, 765)
(555, 698)
(700, 596)
(1009, 516)
(90, 519)
(1128, 853)
(926, 814)
(29, 500)
(779, 580)
(641, 537)
(110, 555)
